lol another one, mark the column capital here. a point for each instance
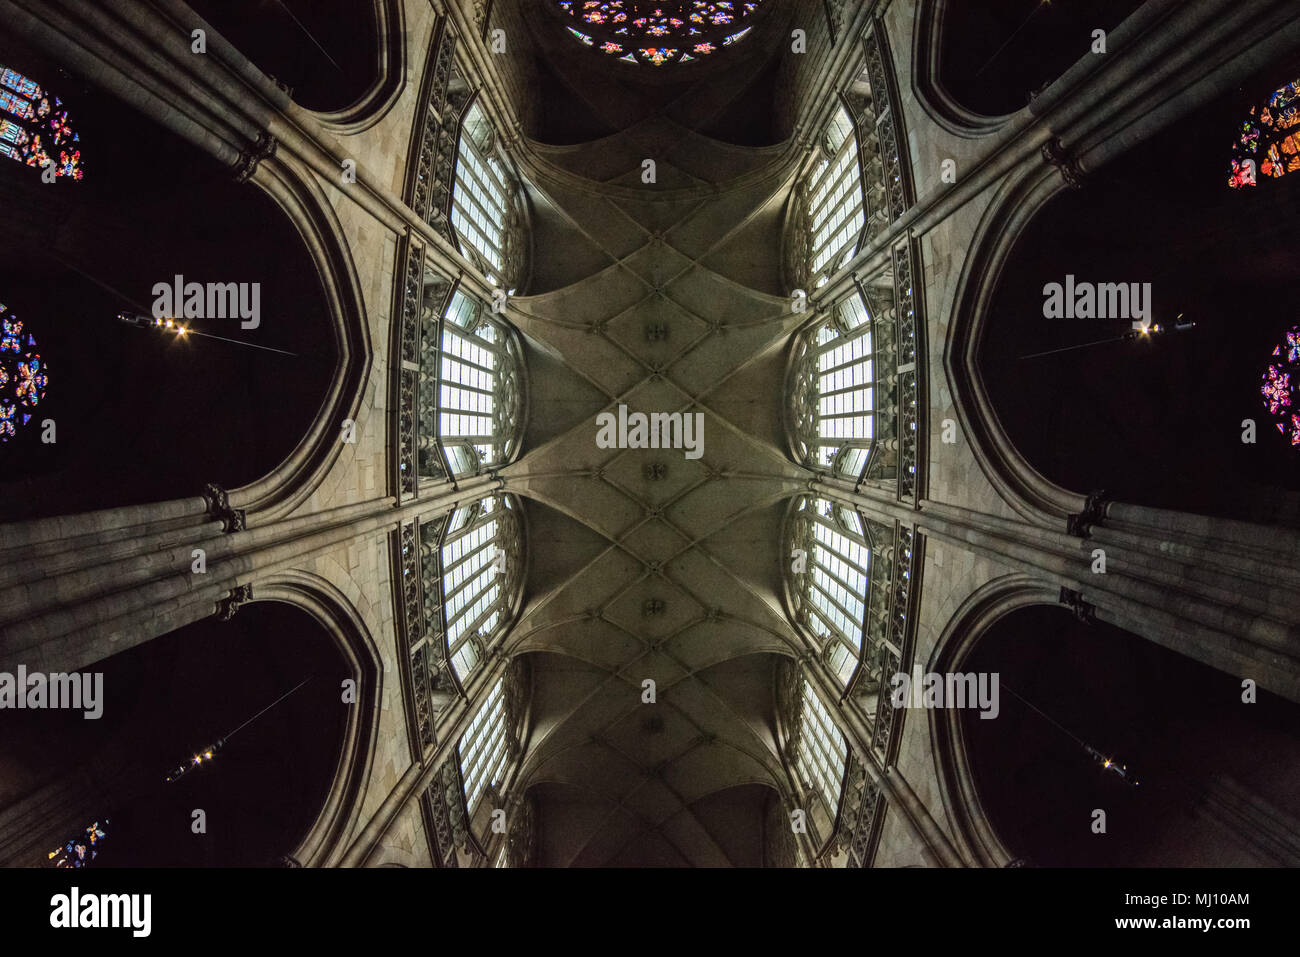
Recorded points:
(239, 596)
(218, 500)
(1055, 153)
(263, 148)
(1094, 511)
(1073, 600)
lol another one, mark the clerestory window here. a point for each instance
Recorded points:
(834, 392)
(483, 750)
(479, 574)
(829, 583)
(820, 751)
(836, 203)
(470, 397)
(480, 196)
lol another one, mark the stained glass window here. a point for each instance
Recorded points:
(35, 129)
(1281, 382)
(478, 574)
(483, 748)
(1268, 143)
(23, 375)
(658, 32)
(820, 750)
(79, 851)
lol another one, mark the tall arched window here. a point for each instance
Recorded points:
(836, 203)
(850, 588)
(833, 395)
(829, 584)
(859, 180)
(471, 401)
(473, 575)
(485, 204)
(820, 751)
(476, 777)
(482, 750)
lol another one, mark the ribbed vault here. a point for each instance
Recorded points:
(661, 296)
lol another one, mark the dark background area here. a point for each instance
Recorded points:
(1176, 723)
(1158, 421)
(170, 697)
(140, 414)
(325, 51)
(995, 53)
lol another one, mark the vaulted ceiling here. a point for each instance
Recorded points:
(665, 297)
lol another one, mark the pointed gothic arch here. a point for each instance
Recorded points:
(343, 62)
(283, 787)
(1168, 757)
(126, 388)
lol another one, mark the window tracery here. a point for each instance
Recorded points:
(819, 750)
(486, 210)
(833, 585)
(37, 130)
(658, 32)
(833, 392)
(1281, 385)
(473, 571)
(482, 750)
(1268, 143)
(471, 399)
(24, 376)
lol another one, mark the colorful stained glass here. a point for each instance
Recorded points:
(1276, 389)
(647, 28)
(19, 83)
(1263, 146)
(33, 118)
(23, 375)
(1281, 381)
(11, 334)
(658, 55)
(82, 849)
(15, 104)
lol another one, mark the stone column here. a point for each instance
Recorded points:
(105, 603)
(1189, 583)
(1267, 832)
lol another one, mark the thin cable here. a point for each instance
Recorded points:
(1058, 724)
(251, 345)
(1095, 342)
(98, 282)
(1045, 3)
(143, 311)
(309, 35)
(269, 707)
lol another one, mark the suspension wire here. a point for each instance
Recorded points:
(1048, 717)
(227, 737)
